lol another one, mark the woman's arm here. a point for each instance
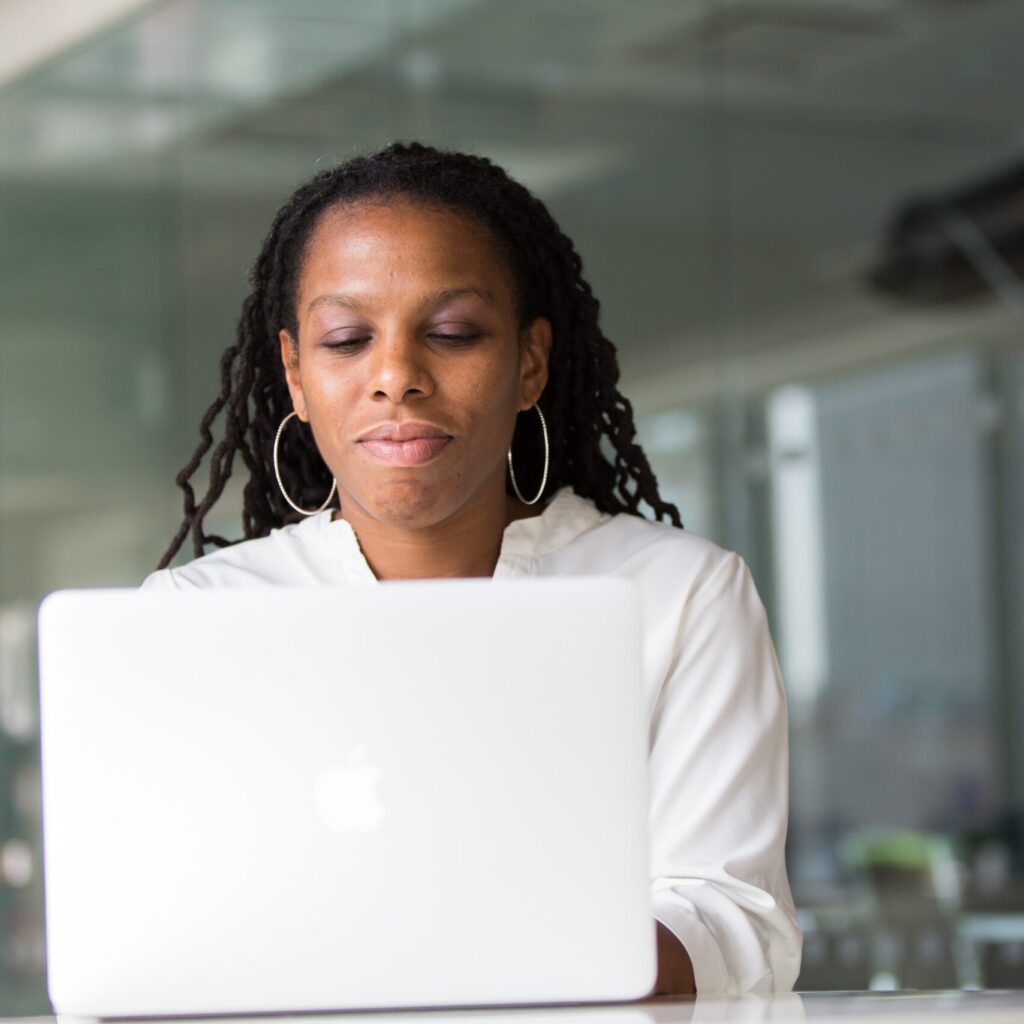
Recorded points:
(719, 795)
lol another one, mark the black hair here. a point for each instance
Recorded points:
(583, 407)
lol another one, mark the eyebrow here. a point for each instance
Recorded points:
(361, 305)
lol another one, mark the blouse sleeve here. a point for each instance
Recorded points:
(718, 772)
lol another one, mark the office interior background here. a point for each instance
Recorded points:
(805, 222)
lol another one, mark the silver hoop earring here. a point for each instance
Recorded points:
(277, 473)
(544, 478)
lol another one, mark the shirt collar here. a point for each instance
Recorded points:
(565, 517)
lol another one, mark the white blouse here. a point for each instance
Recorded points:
(718, 746)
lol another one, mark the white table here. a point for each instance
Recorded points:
(988, 1007)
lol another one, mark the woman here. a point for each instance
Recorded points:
(418, 367)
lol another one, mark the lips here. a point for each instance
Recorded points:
(404, 444)
(409, 431)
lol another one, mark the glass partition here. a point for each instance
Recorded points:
(802, 222)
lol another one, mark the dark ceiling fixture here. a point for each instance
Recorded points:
(962, 246)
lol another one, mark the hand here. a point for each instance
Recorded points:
(675, 969)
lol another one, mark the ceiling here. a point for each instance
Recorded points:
(725, 167)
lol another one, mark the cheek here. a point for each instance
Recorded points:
(328, 389)
(496, 373)
(495, 400)
(492, 393)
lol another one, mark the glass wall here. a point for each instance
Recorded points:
(803, 221)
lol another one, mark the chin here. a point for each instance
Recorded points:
(410, 503)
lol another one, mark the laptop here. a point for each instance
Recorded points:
(422, 794)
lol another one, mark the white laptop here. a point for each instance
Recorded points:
(419, 794)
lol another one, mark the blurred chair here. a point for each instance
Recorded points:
(837, 950)
(997, 943)
(912, 886)
(1002, 964)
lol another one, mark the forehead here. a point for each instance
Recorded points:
(399, 244)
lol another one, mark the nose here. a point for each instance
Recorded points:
(398, 369)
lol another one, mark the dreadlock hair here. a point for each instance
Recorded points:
(583, 407)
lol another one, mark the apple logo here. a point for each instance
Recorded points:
(345, 795)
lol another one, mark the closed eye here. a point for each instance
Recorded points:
(458, 338)
(353, 344)
(345, 344)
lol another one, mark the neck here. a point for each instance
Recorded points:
(464, 545)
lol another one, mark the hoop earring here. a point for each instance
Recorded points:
(277, 473)
(544, 478)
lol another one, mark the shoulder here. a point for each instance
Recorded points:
(651, 551)
(698, 599)
(293, 554)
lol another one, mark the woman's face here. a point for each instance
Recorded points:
(409, 365)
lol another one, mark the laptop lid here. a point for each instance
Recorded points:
(420, 794)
